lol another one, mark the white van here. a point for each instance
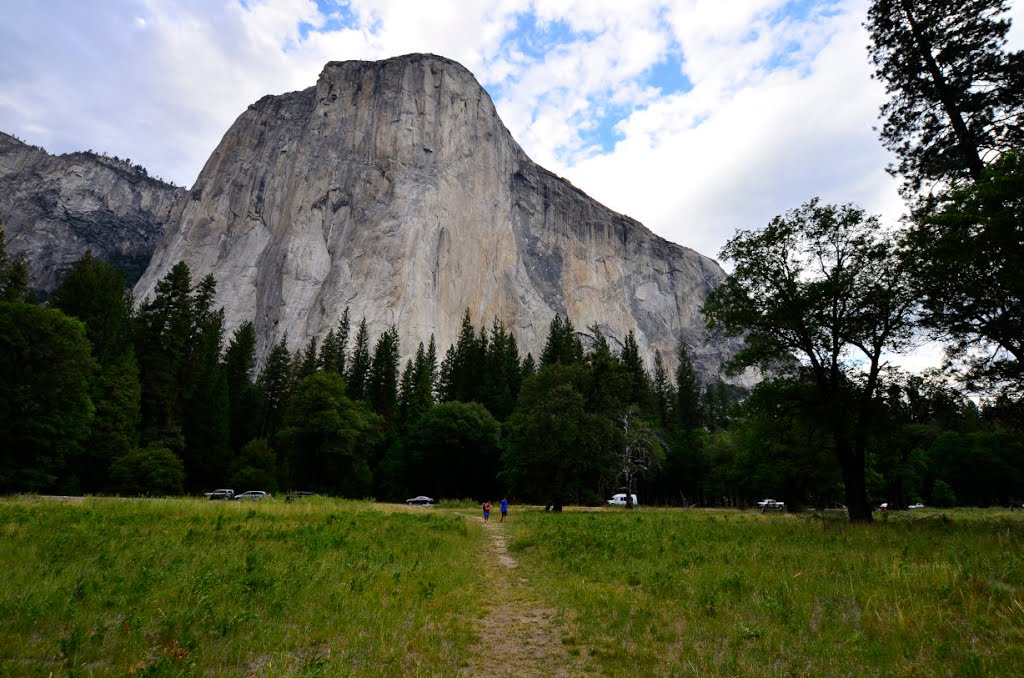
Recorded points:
(620, 500)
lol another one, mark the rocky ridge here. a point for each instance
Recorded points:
(56, 207)
(394, 189)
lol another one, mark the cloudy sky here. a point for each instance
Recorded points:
(696, 117)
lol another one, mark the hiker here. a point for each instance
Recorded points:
(487, 511)
(504, 509)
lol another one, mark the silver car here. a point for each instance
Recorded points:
(252, 495)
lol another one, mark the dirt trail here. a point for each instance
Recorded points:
(519, 635)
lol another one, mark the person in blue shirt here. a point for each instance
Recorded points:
(504, 509)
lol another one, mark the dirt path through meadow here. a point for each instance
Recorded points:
(519, 635)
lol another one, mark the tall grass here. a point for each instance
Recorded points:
(155, 587)
(658, 592)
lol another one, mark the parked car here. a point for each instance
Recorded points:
(916, 506)
(421, 500)
(771, 505)
(253, 495)
(620, 500)
(221, 495)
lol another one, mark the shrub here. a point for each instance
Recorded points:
(152, 470)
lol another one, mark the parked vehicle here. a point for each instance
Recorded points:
(916, 506)
(253, 495)
(771, 505)
(421, 500)
(221, 495)
(620, 500)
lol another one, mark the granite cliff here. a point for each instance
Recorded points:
(55, 208)
(393, 188)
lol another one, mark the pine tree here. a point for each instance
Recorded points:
(205, 414)
(502, 369)
(956, 96)
(461, 368)
(382, 386)
(406, 389)
(687, 413)
(562, 345)
(341, 360)
(243, 402)
(664, 393)
(94, 292)
(529, 367)
(360, 368)
(310, 363)
(422, 394)
(329, 350)
(13, 274)
(639, 381)
(162, 335)
(274, 386)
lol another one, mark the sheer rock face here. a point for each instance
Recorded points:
(55, 208)
(394, 189)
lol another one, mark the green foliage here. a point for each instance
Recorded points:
(686, 410)
(45, 408)
(239, 365)
(640, 388)
(956, 96)
(966, 250)
(13, 274)
(460, 377)
(453, 451)
(116, 393)
(359, 370)
(94, 292)
(274, 386)
(556, 451)
(942, 494)
(255, 467)
(325, 438)
(382, 383)
(821, 285)
(151, 470)
(664, 392)
(563, 345)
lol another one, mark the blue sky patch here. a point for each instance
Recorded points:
(667, 75)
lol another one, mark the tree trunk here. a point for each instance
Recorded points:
(852, 464)
(968, 144)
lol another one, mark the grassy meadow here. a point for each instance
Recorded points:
(662, 592)
(186, 586)
(332, 587)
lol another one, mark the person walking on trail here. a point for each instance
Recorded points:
(487, 511)
(504, 509)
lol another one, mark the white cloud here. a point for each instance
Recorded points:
(781, 106)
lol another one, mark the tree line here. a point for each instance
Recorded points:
(97, 397)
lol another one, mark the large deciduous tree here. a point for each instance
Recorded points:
(956, 97)
(821, 284)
